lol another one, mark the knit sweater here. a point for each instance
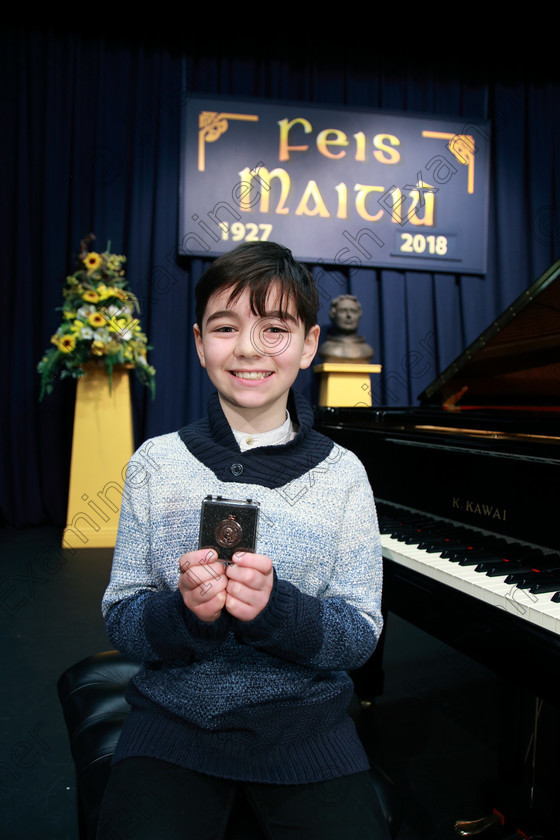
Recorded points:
(264, 700)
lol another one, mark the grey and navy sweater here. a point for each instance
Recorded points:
(264, 700)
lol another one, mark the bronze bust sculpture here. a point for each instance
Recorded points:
(344, 345)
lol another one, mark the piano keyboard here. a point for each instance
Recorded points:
(501, 572)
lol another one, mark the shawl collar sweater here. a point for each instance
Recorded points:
(212, 441)
(264, 700)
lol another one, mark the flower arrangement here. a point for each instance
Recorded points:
(98, 324)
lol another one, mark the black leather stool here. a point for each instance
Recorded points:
(92, 697)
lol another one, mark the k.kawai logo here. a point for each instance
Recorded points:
(479, 508)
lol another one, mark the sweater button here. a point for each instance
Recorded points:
(237, 469)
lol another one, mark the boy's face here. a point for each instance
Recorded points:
(253, 360)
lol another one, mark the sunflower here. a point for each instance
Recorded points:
(92, 261)
(91, 297)
(67, 343)
(98, 323)
(96, 319)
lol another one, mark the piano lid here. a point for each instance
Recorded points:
(514, 363)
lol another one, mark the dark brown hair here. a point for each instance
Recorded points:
(256, 266)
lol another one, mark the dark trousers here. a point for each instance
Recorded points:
(148, 799)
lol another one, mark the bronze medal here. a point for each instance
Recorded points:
(228, 532)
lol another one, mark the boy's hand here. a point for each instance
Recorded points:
(250, 579)
(202, 583)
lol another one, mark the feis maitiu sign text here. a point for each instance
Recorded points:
(339, 187)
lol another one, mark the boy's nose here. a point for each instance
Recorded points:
(246, 346)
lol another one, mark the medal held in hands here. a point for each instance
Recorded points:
(228, 525)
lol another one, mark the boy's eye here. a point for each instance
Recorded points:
(275, 328)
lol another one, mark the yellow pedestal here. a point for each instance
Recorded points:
(345, 384)
(101, 447)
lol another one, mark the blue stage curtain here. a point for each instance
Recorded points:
(91, 143)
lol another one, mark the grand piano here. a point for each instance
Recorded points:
(467, 490)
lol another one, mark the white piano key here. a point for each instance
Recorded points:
(536, 609)
(432, 565)
(544, 612)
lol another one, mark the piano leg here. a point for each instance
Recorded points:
(522, 801)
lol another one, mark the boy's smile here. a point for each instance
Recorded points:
(253, 360)
(252, 374)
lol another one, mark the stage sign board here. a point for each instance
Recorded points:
(340, 187)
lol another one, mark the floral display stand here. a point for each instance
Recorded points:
(345, 383)
(101, 447)
(97, 342)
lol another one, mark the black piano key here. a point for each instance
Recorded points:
(547, 581)
(503, 570)
(520, 558)
(446, 538)
(483, 559)
(447, 552)
(550, 573)
(523, 578)
(550, 563)
(456, 552)
(386, 527)
(540, 588)
(474, 548)
(433, 546)
(413, 536)
(486, 549)
(405, 537)
(521, 564)
(416, 522)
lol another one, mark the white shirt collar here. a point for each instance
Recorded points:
(275, 437)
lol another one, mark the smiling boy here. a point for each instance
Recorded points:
(245, 678)
(253, 359)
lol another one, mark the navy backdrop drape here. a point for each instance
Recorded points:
(90, 142)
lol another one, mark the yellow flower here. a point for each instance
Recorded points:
(67, 343)
(91, 297)
(69, 314)
(92, 261)
(103, 292)
(97, 348)
(96, 319)
(114, 262)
